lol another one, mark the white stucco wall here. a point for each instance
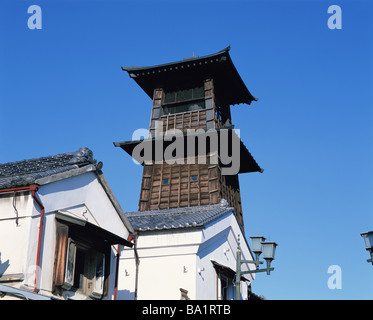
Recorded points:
(167, 263)
(14, 237)
(219, 244)
(80, 196)
(170, 260)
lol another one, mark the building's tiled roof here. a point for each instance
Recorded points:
(228, 84)
(24, 173)
(177, 217)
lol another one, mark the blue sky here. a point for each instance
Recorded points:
(62, 88)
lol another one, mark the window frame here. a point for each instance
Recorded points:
(185, 102)
(227, 275)
(70, 264)
(195, 94)
(89, 283)
(227, 292)
(79, 234)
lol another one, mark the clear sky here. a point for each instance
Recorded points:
(62, 88)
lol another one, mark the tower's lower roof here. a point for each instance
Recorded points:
(247, 162)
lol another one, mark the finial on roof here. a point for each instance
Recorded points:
(82, 155)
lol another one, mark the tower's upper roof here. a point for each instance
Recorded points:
(229, 87)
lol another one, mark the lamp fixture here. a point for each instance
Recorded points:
(258, 246)
(368, 240)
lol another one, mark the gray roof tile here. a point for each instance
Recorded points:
(25, 172)
(176, 218)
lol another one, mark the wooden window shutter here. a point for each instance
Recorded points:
(89, 272)
(62, 232)
(70, 265)
(98, 289)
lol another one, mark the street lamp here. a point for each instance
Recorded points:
(258, 246)
(368, 240)
(269, 249)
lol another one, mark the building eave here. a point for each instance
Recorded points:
(109, 237)
(230, 88)
(183, 218)
(247, 161)
(132, 70)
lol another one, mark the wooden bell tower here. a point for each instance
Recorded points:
(189, 95)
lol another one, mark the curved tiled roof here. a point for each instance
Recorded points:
(229, 86)
(176, 218)
(24, 173)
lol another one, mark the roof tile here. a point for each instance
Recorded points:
(187, 217)
(25, 172)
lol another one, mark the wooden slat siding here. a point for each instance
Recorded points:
(184, 121)
(209, 188)
(146, 187)
(213, 184)
(158, 98)
(204, 184)
(160, 186)
(164, 196)
(209, 104)
(233, 196)
(180, 191)
(62, 233)
(174, 187)
(184, 185)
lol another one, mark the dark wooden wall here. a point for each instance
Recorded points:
(209, 187)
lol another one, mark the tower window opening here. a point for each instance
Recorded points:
(184, 101)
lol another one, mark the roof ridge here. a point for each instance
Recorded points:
(166, 219)
(25, 172)
(184, 60)
(34, 159)
(178, 210)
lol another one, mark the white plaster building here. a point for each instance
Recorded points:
(185, 253)
(60, 227)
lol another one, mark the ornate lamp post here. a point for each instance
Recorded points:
(259, 246)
